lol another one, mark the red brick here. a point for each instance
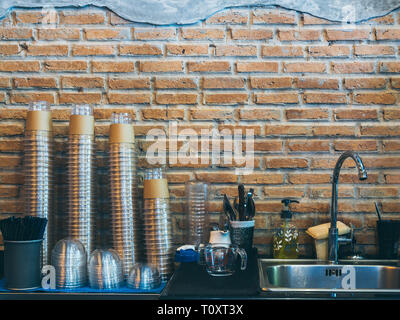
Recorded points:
(211, 114)
(308, 145)
(129, 83)
(387, 34)
(175, 83)
(11, 129)
(4, 82)
(9, 161)
(276, 163)
(309, 178)
(388, 19)
(229, 17)
(356, 114)
(310, 114)
(105, 113)
(259, 114)
(35, 82)
(244, 129)
(178, 98)
(391, 114)
(27, 97)
(9, 49)
(311, 20)
(324, 97)
(326, 192)
(389, 67)
(374, 50)
(377, 192)
(202, 34)
(15, 33)
(187, 49)
(267, 145)
(329, 163)
(351, 34)
(30, 17)
(160, 66)
(81, 18)
(282, 51)
(19, 66)
(216, 177)
(82, 82)
(309, 67)
(374, 98)
(286, 130)
(379, 130)
(155, 34)
(128, 98)
(92, 50)
(140, 50)
(353, 67)
(333, 130)
(317, 83)
(111, 66)
(209, 66)
(356, 145)
(299, 35)
(276, 98)
(365, 83)
(282, 192)
(251, 34)
(226, 98)
(265, 16)
(329, 51)
(47, 50)
(258, 66)
(395, 83)
(107, 34)
(223, 83)
(235, 50)
(80, 98)
(271, 83)
(58, 65)
(392, 178)
(262, 178)
(58, 34)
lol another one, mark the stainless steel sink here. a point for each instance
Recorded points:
(364, 276)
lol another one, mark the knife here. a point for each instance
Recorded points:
(242, 203)
(228, 208)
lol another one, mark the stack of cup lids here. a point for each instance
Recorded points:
(105, 269)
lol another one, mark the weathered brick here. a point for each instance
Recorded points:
(9, 49)
(299, 35)
(356, 114)
(187, 49)
(211, 114)
(35, 82)
(140, 50)
(276, 98)
(317, 83)
(58, 34)
(35, 17)
(15, 33)
(202, 34)
(159, 66)
(329, 51)
(262, 178)
(128, 98)
(81, 18)
(150, 34)
(226, 98)
(209, 66)
(333, 130)
(325, 97)
(353, 67)
(251, 34)
(311, 20)
(223, 83)
(326, 192)
(70, 66)
(356, 145)
(374, 98)
(374, 50)
(309, 178)
(19, 66)
(309, 67)
(235, 50)
(365, 83)
(111, 66)
(163, 114)
(258, 66)
(271, 83)
(179, 98)
(229, 17)
(308, 145)
(387, 34)
(259, 114)
(47, 50)
(389, 67)
(391, 114)
(129, 83)
(8, 129)
(244, 129)
(92, 50)
(175, 83)
(286, 130)
(27, 97)
(79, 98)
(4, 82)
(282, 192)
(282, 51)
(82, 82)
(379, 130)
(309, 114)
(377, 192)
(276, 163)
(350, 34)
(107, 34)
(105, 113)
(265, 16)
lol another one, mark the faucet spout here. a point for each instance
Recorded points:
(333, 239)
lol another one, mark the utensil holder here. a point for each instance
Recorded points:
(22, 264)
(38, 171)
(242, 234)
(388, 232)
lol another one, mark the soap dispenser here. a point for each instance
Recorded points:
(285, 241)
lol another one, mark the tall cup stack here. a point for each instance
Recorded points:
(157, 222)
(38, 174)
(80, 224)
(125, 220)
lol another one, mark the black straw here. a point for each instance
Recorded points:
(378, 211)
(23, 229)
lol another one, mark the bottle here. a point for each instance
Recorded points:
(285, 241)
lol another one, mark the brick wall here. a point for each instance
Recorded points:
(310, 89)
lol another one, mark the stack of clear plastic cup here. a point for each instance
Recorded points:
(144, 277)
(69, 258)
(80, 223)
(38, 173)
(123, 184)
(197, 228)
(157, 227)
(105, 269)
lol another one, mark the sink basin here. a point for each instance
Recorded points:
(370, 276)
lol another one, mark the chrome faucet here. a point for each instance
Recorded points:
(333, 239)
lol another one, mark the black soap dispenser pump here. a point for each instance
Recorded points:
(285, 241)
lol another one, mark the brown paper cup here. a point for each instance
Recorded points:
(121, 133)
(81, 125)
(38, 121)
(156, 188)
